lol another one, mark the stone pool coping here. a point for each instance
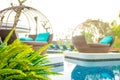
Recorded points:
(93, 59)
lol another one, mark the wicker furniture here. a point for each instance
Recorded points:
(36, 45)
(82, 46)
(5, 32)
(26, 20)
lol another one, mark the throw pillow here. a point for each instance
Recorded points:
(26, 39)
(43, 37)
(106, 40)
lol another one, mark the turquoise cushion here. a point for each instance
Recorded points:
(106, 40)
(42, 37)
(26, 39)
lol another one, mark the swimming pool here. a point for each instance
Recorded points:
(90, 67)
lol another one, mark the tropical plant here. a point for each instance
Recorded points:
(116, 30)
(19, 61)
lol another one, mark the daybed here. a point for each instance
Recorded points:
(25, 18)
(82, 46)
(36, 44)
(5, 32)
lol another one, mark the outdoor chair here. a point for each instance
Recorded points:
(35, 44)
(38, 44)
(55, 46)
(26, 25)
(71, 47)
(82, 46)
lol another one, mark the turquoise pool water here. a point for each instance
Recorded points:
(72, 71)
(78, 66)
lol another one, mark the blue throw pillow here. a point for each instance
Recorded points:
(26, 39)
(106, 40)
(43, 37)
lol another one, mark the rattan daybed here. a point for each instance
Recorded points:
(27, 21)
(5, 32)
(36, 44)
(82, 46)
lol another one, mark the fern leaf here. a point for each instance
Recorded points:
(36, 53)
(40, 60)
(39, 77)
(15, 77)
(11, 71)
(2, 47)
(35, 68)
(2, 64)
(9, 35)
(18, 63)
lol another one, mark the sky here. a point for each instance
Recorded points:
(67, 14)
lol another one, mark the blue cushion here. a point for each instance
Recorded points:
(106, 40)
(26, 39)
(42, 37)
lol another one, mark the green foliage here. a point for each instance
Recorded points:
(116, 31)
(116, 43)
(88, 36)
(18, 61)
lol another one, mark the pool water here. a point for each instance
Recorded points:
(86, 66)
(66, 72)
(72, 71)
(92, 73)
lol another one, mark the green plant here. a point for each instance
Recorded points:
(116, 31)
(19, 61)
(88, 36)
